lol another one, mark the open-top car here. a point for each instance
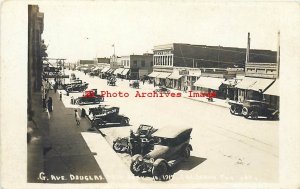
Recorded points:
(254, 109)
(172, 145)
(109, 117)
(111, 81)
(141, 141)
(89, 97)
(134, 84)
(162, 89)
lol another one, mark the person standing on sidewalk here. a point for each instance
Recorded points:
(60, 96)
(77, 118)
(49, 104)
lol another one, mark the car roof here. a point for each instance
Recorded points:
(171, 131)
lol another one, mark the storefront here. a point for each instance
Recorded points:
(209, 84)
(118, 72)
(124, 73)
(174, 80)
(162, 76)
(272, 94)
(252, 88)
(103, 73)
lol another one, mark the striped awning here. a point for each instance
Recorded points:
(118, 71)
(163, 75)
(174, 75)
(104, 70)
(125, 71)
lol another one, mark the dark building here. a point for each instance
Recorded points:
(36, 51)
(202, 56)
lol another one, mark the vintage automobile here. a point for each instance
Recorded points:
(89, 97)
(72, 77)
(109, 117)
(111, 81)
(254, 109)
(235, 107)
(134, 84)
(98, 110)
(162, 89)
(141, 142)
(171, 147)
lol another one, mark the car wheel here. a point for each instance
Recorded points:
(254, 114)
(136, 168)
(232, 110)
(186, 152)
(160, 169)
(125, 121)
(118, 148)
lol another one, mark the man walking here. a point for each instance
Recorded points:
(60, 96)
(77, 118)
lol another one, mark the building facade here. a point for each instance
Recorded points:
(135, 66)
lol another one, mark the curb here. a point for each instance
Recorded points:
(206, 102)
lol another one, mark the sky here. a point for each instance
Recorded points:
(85, 30)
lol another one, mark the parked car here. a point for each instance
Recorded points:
(141, 141)
(172, 145)
(254, 109)
(111, 81)
(109, 117)
(89, 97)
(134, 84)
(162, 89)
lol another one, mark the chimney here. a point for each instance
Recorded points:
(248, 49)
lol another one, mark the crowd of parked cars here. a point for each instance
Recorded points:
(153, 151)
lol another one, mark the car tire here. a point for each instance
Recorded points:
(254, 114)
(117, 148)
(125, 121)
(160, 169)
(232, 110)
(136, 168)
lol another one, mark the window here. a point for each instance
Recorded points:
(135, 63)
(143, 63)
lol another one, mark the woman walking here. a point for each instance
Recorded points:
(77, 118)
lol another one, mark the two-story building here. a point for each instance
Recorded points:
(135, 66)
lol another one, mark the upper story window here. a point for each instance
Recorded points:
(135, 63)
(143, 63)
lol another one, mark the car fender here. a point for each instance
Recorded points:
(158, 161)
(135, 157)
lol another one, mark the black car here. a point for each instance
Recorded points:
(172, 145)
(236, 108)
(109, 117)
(254, 109)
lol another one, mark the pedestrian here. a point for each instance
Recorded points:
(60, 96)
(49, 105)
(77, 118)
(55, 87)
(44, 104)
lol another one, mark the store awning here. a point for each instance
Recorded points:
(174, 75)
(118, 71)
(154, 74)
(110, 70)
(246, 83)
(163, 75)
(194, 73)
(209, 82)
(255, 84)
(261, 84)
(273, 89)
(125, 71)
(104, 70)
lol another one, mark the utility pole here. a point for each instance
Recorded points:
(278, 54)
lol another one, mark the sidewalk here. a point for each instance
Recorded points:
(64, 151)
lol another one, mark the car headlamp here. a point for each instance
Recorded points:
(140, 158)
(151, 160)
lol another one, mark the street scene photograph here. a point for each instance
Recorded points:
(153, 92)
